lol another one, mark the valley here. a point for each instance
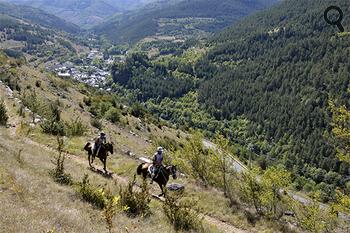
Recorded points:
(249, 100)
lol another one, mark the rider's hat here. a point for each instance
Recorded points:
(160, 149)
(102, 133)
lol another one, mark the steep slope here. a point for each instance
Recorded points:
(178, 18)
(282, 68)
(45, 205)
(83, 13)
(37, 16)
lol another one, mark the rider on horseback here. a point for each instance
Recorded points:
(98, 143)
(157, 163)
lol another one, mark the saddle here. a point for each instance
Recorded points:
(152, 169)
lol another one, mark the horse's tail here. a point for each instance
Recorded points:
(139, 169)
(87, 147)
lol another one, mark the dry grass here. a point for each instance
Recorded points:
(32, 202)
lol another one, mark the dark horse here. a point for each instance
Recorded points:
(163, 176)
(102, 153)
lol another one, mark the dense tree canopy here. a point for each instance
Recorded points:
(287, 65)
(265, 83)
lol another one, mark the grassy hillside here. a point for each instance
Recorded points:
(37, 16)
(183, 19)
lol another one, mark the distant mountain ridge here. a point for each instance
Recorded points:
(178, 17)
(37, 16)
(84, 13)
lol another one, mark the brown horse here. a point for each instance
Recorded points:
(163, 175)
(102, 153)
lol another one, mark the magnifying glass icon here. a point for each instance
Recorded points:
(336, 22)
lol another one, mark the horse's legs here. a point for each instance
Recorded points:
(161, 188)
(89, 160)
(104, 165)
(92, 159)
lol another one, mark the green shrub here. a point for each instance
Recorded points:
(167, 142)
(33, 103)
(137, 110)
(263, 191)
(58, 173)
(53, 125)
(87, 101)
(137, 202)
(76, 127)
(111, 208)
(96, 123)
(3, 113)
(181, 214)
(195, 160)
(91, 194)
(314, 218)
(113, 115)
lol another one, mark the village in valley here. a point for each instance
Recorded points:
(92, 70)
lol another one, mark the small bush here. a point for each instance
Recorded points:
(167, 142)
(76, 127)
(61, 84)
(111, 208)
(96, 123)
(181, 214)
(313, 218)
(53, 125)
(137, 110)
(91, 194)
(87, 101)
(31, 100)
(3, 113)
(54, 128)
(113, 115)
(137, 202)
(58, 173)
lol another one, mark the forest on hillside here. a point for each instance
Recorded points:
(136, 25)
(278, 70)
